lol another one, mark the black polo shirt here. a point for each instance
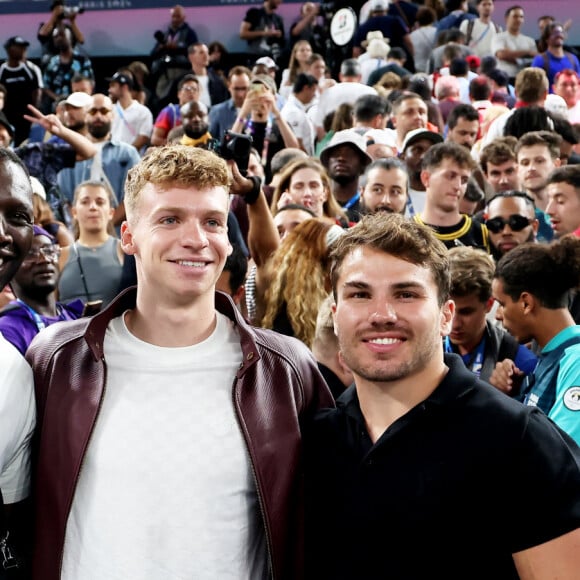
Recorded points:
(450, 490)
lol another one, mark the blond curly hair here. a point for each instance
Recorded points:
(175, 165)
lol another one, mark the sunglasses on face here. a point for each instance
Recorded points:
(516, 223)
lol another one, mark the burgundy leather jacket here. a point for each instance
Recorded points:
(277, 388)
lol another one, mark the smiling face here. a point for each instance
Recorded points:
(387, 317)
(16, 217)
(445, 185)
(180, 242)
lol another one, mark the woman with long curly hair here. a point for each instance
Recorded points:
(297, 280)
(306, 182)
(299, 63)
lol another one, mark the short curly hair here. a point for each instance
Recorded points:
(175, 165)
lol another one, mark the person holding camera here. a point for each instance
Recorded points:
(169, 54)
(263, 30)
(61, 17)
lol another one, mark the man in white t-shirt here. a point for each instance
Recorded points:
(348, 90)
(294, 111)
(513, 50)
(132, 121)
(186, 420)
(480, 32)
(17, 410)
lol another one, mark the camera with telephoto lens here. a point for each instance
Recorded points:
(70, 11)
(160, 37)
(236, 146)
(67, 11)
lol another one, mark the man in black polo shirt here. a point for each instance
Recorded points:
(423, 471)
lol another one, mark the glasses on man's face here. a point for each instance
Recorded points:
(102, 110)
(516, 223)
(190, 89)
(50, 253)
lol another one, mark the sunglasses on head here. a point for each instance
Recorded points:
(516, 223)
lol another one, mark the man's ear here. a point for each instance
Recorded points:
(447, 313)
(489, 304)
(127, 240)
(425, 175)
(333, 309)
(528, 302)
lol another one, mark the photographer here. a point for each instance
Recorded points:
(170, 52)
(61, 16)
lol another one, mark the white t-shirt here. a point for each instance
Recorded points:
(370, 65)
(135, 120)
(337, 95)
(574, 114)
(294, 113)
(481, 36)
(17, 421)
(204, 95)
(166, 490)
(505, 40)
(423, 40)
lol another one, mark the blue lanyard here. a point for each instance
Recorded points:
(473, 360)
(354, 199)
(40, 324)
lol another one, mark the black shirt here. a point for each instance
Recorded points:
(451, 490)
(466, 233)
